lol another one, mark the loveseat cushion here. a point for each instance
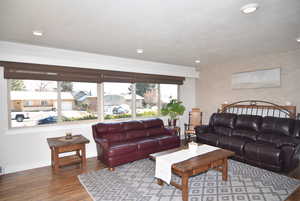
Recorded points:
(208, 138)
(153, 123)
(249, 134)
(263, 152)
(297, 129)
(248, 122)
(284, 126)
(122, 148)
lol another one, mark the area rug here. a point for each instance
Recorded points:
(135, 182)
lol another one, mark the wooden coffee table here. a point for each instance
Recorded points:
(217, 160)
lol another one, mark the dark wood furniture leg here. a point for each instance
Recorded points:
(225, 169)
(56, 160)
(83, 157)
(185, 187)
(160, 182)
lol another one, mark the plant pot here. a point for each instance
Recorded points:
(169, 122)
(174, 122)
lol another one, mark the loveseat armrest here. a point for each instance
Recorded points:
(104, 143)
(203, 129)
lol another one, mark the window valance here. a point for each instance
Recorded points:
(17, 70)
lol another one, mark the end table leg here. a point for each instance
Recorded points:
(185, 188)
(83, 157)
(225, 170)
(56, 160)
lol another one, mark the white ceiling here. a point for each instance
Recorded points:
(169, 31)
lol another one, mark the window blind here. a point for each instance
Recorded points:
(30, 71)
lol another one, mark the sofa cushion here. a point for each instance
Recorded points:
(156, 131)
(114, 137)
(208, 138)
(284, 126)
(249, 134)
(226, 120)
(122, 148)
(263, 152)
(153, 123)
(166, 139)
(104, 128)
(144, 144)
(222, 130)
(133, 125)
(278, 140)
(235, 144)
(297, 129)
(132, 134)
(248, 122)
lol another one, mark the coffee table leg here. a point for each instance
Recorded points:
(185, 187)
(225, 170)
(160, 182)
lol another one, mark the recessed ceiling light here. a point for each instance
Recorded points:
(298, 40)
(139, 51)
(249, 8)
(37, 33)
(197, 61)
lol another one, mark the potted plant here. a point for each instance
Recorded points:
(174, 109)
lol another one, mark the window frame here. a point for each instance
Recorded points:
(100, 107)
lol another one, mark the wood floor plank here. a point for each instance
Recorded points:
(41, 184)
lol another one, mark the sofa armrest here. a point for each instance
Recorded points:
(170, 131)
(202, 129)
(102, 142)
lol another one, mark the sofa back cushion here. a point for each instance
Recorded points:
(133, 125)
(133, 134)
(156, 131)
(248, 122)
(276, 125)
(297, 129)
(223, 123)
(110, 131)
(153, 123)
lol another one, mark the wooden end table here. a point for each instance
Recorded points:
(217, 160)
(61, 145)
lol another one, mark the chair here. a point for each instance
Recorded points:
(195, 119)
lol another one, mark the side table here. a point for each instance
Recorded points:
(61, 145)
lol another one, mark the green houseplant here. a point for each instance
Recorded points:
(173, 109)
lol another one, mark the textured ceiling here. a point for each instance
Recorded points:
(169, 31)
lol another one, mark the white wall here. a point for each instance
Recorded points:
(27, 148)
(214, 84)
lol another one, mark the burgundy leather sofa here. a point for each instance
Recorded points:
(123, 142)
(268, 142)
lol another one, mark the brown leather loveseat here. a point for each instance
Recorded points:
(268, 142)
(123, 142)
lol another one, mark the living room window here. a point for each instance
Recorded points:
(39, 102)
(117, 100)
(32, 102)
(148, 94)
(78, 101)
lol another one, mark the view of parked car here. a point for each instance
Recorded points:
(19, 116)
(48, 120)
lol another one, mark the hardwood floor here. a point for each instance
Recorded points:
(42, 184)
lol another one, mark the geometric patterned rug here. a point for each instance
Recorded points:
(135, 182)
